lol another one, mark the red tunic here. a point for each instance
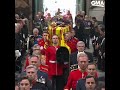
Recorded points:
(54, 68)
(44, 68)
(72, 46)
(73, 77)
(43, 44)
(75, 40)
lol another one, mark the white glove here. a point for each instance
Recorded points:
(104, 54)
(17, 53)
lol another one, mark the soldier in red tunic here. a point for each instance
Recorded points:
(70, 43)
(36, 51)
(44, 42)
(43, 66)
(80, 72)
(55, 70)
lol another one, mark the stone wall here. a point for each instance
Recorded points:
(97, 12)
(25, 7)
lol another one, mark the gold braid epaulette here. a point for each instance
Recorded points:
(73, 67)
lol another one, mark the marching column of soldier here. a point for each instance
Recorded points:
(41, 61)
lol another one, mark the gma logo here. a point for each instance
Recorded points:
(98, 3)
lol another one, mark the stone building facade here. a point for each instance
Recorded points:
(85, 5)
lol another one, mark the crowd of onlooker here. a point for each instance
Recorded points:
(36, 55)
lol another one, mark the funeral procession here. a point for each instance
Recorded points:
(59, 45)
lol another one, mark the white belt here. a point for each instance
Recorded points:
(52, 61)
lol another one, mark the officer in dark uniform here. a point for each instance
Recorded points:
(95, 35)
(23, 36)
(41, 82)
(101, 56)
(98, 45)
(17, 48)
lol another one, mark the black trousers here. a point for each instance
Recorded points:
(57, 83)
(101, 63)
(87, 40)
(65, 75)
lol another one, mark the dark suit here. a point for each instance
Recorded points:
(18, 64)
(101, 57)
(43, 82)
(17, 42)
(81, 85)
(79, 31)
(73, 57)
